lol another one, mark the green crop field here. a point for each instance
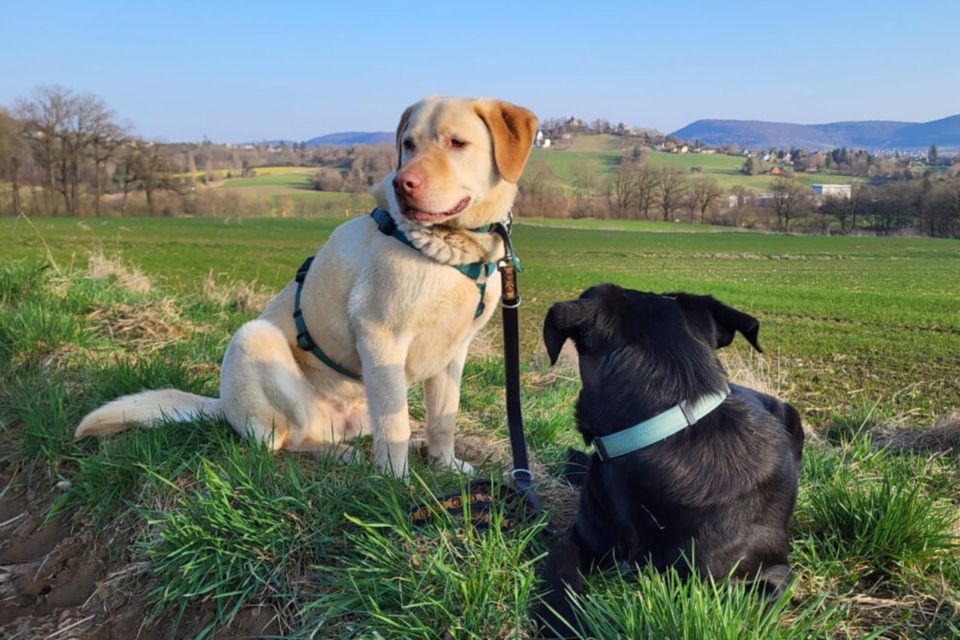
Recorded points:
(601, 154)
(299, 179)
(193, 524)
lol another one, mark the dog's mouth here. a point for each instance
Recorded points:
(412, 213)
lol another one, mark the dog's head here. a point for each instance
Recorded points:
(459, 160)
(630, 339)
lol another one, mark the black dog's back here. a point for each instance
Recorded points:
(714, 497)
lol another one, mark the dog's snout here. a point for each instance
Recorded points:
(408, 181)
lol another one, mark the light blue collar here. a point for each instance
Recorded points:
(659, 427)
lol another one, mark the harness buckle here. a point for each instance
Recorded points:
(687, 412)
(305, 342)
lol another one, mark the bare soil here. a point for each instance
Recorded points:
(68, 579)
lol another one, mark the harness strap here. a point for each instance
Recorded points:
(304, 340)
(479, 272)
(476, 271)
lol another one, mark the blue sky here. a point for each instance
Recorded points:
(253, 70)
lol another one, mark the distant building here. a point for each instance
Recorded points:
(835, 190)
(776, 171)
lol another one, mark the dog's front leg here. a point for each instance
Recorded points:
(563, 576)
(383, 357)
(441, 395)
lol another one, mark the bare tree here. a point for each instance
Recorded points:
(648, 185)
(585, 184)
(11, 158)
(106, 137)
(66, 131)
(621, 191)
(43, 117)
(703, 194)
(533, 188)
(790, 199)
(671, 188)
(154, 170)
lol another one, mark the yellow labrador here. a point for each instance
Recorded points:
(395, 314)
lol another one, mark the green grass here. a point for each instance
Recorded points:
(857, 331)
(297, 180)
(601, 154)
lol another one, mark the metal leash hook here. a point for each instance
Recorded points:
(521, 475)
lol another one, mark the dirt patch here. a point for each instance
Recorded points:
(63, 578)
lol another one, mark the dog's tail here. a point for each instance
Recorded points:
(147, 409)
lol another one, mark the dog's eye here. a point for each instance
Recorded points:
(409, 145)
(457, 143)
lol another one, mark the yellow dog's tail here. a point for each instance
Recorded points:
(147, 409)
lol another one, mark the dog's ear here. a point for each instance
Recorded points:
(564, 321)
(713, 318)
(401, 127)
(512, 129)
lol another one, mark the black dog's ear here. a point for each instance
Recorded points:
(705, 312)
(563, 321)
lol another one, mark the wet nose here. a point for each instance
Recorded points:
(408, 181)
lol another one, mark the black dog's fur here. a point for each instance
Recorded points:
(714, 496)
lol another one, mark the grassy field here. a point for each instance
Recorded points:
(284, 187)
(863, 335)
(601, 153)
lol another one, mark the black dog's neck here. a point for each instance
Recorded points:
(628, 389)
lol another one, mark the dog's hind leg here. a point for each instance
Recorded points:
(264, 393)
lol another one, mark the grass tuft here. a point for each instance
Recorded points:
(667, 605)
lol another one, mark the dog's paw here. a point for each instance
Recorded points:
(455, 464)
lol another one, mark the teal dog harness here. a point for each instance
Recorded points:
(479, 272)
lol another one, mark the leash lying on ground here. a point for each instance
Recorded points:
(522, 501)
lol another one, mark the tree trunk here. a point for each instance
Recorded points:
(98, 169)
(15, 185)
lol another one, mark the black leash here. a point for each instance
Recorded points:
(522, 501)
(510, 304)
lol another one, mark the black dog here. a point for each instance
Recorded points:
(717, 494)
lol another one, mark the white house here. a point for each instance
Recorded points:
(835, 190)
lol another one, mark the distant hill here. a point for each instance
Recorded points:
(341, 139)
(866, 134)
(350, 138)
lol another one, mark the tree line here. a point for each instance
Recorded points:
(66, 153)
(928, 204)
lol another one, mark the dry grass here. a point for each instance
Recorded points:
(943, 437)
(130, 278)
(145, 327)
(238, 296)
